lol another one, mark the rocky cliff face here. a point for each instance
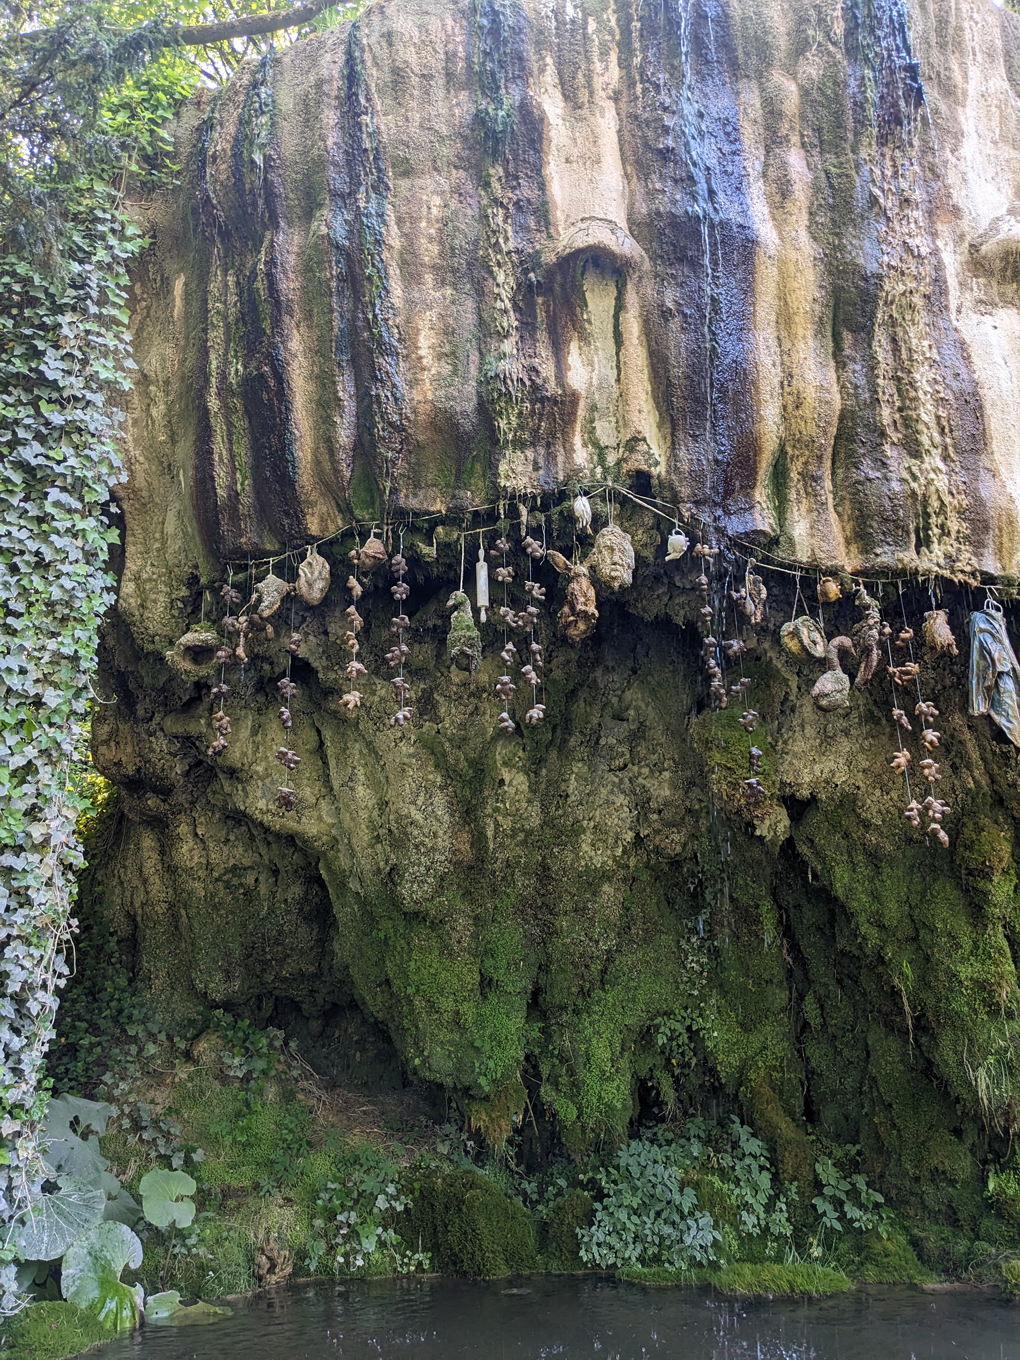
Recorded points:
(755, 259)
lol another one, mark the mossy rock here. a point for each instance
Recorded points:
(50, 1331)
(472, 1228)
(982, 848)
(889, 1260)
(559, 1244)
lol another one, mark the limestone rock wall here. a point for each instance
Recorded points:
(764, 252)
(758, 259)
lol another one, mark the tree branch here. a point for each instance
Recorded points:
(250, 25)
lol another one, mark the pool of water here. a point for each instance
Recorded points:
(534, 1319)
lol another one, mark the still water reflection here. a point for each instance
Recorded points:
(572, 1318)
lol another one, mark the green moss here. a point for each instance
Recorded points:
(982, 848)
(50, 1331)
(772, 1280)
(472, 1228)
(559, 1243)
(873, 1259)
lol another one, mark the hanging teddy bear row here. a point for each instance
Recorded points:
(611, 564)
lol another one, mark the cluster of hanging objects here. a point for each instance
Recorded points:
(726, 612)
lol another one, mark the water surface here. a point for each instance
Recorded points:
(536, 1318)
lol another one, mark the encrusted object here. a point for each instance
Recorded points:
(196, 653)
(676, 545)
(755, 595)
(271, 592)
(463, 642)
(582, 514)
(829, 591)
(832, 689)
(611, 561)
(866, 633)
(370, 555)
(579, 615)
(802, 638)
(938, 636)
(313, 577)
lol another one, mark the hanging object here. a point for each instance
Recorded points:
(579, 615)
(582, 514)
(611, 560)
(481, 583)
(354, 669)
(313, 577)
(676, 545)
(755, 595)
(994, 672)
(832, 689)
(195, 653)
(397, 655)
(463, 642)
(938, 636)
(271, 592)
(866, 633)
(802, 638)
(829, 591)
(371, 555)
(557, 560)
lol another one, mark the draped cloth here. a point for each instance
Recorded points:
(994, 672)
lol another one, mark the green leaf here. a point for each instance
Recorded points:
(163, 1198)
(90, 1275)
(167, 1310)
(55, 1221)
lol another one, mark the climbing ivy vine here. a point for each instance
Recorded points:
(63, 355)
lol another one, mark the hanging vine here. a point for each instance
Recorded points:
(63, 350)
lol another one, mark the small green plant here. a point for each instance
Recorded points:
(836, 1206)
(90, 1275)
(355, 1221)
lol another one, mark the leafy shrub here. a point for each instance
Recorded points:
(472, 1228)
(647, 1216)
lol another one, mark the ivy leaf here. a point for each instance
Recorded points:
(55, 1221)
(90, 1275)
(163, 1199)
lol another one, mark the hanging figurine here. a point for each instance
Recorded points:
(530, 671)
(313, 577)
(752, 605)
(505, 687)
(938, 636)
(579, 615)
(829, 591)
(611, 560)
(352, 699)
(832, 688)
(398, 626)
(463, 642)
(676, 544)
(866, 633)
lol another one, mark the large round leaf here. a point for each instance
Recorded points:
(163, 1198)
(90, 1275)
(55, 1221)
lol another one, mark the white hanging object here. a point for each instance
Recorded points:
(481, 583)
(582, 514)
(313, 577)
(676, 545)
